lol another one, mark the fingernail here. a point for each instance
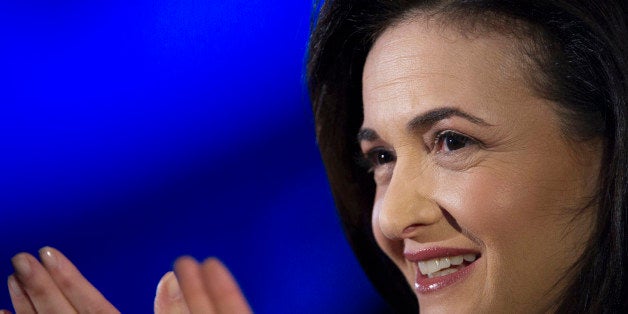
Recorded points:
(21, 265)
(172, 286)
(14, 286)
(48, 257)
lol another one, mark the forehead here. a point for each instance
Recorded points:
(417, 65)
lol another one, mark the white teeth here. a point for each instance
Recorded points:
(443, 272)
(428, 267)
(441, 266)
(456, 260)
(469, 257)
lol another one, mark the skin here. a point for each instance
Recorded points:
(55, 285)
(517, 193)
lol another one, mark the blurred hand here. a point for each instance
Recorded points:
(206, 288)
(56, 286)
(53, 286)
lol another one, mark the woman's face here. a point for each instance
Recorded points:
(481, 201)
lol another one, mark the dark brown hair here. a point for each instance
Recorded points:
(578, 50)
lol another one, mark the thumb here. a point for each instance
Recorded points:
(169, 298)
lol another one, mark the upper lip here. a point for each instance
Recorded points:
(436, 252)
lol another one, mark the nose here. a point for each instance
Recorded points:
(406, 206)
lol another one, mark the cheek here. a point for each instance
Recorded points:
(491, 206)
(519, 214)
(509, 199)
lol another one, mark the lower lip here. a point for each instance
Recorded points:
(427, 285)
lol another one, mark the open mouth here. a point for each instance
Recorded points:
(438, 267)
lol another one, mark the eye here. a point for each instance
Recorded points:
(377, 157)
(449, 141)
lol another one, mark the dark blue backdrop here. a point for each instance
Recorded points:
(132, 132)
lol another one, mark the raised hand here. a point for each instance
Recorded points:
(206, 288)
(53, 286)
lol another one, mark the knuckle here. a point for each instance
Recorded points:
(64, 282)
(37, 290)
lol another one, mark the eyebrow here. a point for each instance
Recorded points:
(368, 135)
(431, 117)
(424, 120)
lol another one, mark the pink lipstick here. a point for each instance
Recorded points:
(437, 267)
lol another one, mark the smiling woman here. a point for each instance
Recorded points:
(492, 149)
(508, 192)
(489, 170)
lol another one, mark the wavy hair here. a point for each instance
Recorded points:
(578, 53)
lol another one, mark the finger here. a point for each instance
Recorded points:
(188, 273)
(39, 286)
(223, 289)
(21, 303)
(169, 298)
(83, 296)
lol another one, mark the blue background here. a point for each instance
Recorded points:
(133, 132)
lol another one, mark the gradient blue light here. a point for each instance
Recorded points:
(132, 132)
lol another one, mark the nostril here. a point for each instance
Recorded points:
(409, 229)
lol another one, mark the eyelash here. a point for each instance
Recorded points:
(380, 156)
(442, 136)
(376, 157)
